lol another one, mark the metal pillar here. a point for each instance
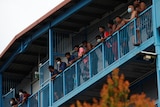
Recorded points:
(157, 47)
(51, 62)
(1, 90)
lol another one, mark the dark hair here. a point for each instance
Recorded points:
(21, 90)
(50, 67)
(138, 0)
(76, 46)
(67, 53)
(119, 17)
(110, 22)
(58, 59)
(98, 36)
(12, 99)
(25, 92)
(84, 41)
(102, 27)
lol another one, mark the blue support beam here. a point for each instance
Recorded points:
(72, 10)
(51, 62)
(1, 90)
(6, 64)
(157, 46)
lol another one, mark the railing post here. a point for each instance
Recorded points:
(157, 47)
(64, 83)
(76, 76)
(135, 30)
(51, 62)
(90, 65)
(39, 99)
(1, 90)
(103, 55)
(118, 43)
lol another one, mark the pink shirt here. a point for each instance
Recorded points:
(80, 52)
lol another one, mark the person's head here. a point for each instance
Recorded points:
(130, 8)
(84, 43)
(13, 101)
(110, 23)
(98, 38)
(58, 60)
(20, 92)
(51, 68)
(67, 55)
(101, 29)
(136, 3)
(76, 48)
(118, 19)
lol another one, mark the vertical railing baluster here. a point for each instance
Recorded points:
(90, 65)
(103, 55)
(76, 75)
(118, 45)
(64, 84)
(135, 30)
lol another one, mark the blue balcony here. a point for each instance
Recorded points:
(114, 52)
(58, 33)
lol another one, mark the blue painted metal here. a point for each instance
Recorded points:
(100, 75)
(1, 90)
(105, 71)
(44, 76)
(43, 30)
(6, 64)
(6, 98)
(103, 56)
(72, 10)
(51, 62)
(157, 47)
(64, 83)
(118, 42)
(76, 81)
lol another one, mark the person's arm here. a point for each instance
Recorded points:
(54, 76)
(113, 28)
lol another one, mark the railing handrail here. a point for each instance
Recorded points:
(13, 90)
(96, 47)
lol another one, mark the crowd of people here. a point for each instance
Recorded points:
(20, 98)
(134, 10)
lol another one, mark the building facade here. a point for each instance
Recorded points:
(24, 63)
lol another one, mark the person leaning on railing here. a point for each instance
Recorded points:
(54, 72)
(61, 66)
(13, 102)
(139, 6)
(70, 58)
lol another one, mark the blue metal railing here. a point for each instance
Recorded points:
(116, 46)
(6, 98)
(98, 59)
(44, 73)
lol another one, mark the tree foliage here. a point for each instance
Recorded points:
(115, 94)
